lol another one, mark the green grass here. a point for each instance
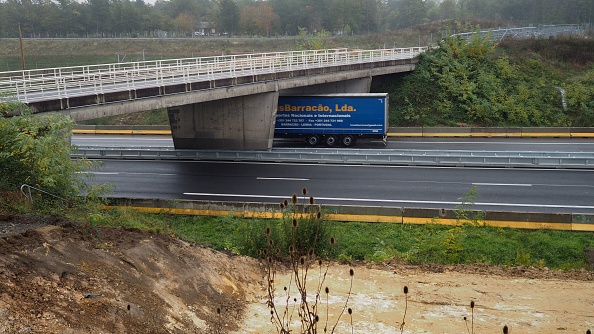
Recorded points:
(376, 242)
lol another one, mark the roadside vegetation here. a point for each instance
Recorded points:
(515, 83)
(465, 243)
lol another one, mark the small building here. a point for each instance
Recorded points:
(205, 29)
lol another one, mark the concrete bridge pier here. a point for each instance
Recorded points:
(237, 123)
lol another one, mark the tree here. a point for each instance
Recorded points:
(227, 16)
(185, 22)
(268, 18)
(35, 150)
(99, 15)
(258, 19)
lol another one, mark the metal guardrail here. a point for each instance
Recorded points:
(28, 195)
(354, 156)
(543, 31)
(66, 82)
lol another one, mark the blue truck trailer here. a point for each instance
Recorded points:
(332, 118)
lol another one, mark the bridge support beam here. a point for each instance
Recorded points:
(359, 85)
(236, 123)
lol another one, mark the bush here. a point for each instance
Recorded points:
(301, 229)
(35, 150)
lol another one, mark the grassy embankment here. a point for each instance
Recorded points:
(467, 243)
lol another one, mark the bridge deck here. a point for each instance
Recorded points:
(40, 85)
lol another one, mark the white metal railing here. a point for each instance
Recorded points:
(64, 82)
(543, 31)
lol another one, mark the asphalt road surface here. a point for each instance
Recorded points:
(497, 189)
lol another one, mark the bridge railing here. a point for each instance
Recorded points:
(65, 82)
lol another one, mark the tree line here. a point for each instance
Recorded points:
(125, 18)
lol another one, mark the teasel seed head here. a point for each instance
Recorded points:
(285, 288)
(332, 241)
(319, 215)
(286, 203)
(405, 289)
(327, 290)
(311, 200)
(270, 242)
(317, 318)
(320, 262)
(282, 205)
(302, 260)
(304, 191)
(218, 310)
(267, 232)
(588, 332)
(310, 252)
(294, 198)
(351, 272)
(472, 304)
(350, 310)
(295, 223)
(506, 330)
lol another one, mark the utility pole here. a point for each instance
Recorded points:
(21, 44)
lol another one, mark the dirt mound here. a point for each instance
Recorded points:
(66, 278)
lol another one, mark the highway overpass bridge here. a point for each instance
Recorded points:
(223, 102)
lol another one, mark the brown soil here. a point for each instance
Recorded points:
(59, 277)
(65, 278)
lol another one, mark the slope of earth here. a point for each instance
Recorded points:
(60, 277)
(65, 278)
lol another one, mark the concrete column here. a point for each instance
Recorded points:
(237, 123)
(362, 85)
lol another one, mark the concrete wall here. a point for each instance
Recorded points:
(242, 122)
(361, 85)
(372, 214)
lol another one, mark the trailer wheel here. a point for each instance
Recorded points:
(347, 140)
(331, 140)
(313, 140)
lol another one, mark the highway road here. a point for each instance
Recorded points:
(471, 144)
(498, 189)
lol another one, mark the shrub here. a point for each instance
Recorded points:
(35, 150)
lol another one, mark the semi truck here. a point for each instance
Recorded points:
(332, 118)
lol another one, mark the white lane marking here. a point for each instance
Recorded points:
(124, 173)
(282, 178)
(502, 184)
(394, 201)
(100, 173)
